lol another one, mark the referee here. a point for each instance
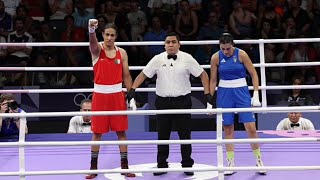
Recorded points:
(173, 69)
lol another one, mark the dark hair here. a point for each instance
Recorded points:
(187, 1)
(85, 101)
(112, 26)
(103, 17)
(6, 96)
(18, 19)
(297, 76)
(226, 38)
(294, 103)
(68, 17)
(22, 7)
(174, 34)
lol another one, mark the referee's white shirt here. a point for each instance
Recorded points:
(76, 125)
(304, 124)
(173, 76)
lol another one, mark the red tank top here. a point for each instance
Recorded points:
(108, 71)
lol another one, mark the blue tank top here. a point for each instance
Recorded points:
(230, 67)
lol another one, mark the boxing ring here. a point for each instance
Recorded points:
(285, 154)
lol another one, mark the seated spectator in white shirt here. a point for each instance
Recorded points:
(295, 121)
(81, 124)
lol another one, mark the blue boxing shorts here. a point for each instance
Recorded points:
(238, 97)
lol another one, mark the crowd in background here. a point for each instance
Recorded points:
(140, 20)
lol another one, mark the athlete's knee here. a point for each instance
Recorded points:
(228, 130)
(97, 136)
(121, 134)
(251, 128)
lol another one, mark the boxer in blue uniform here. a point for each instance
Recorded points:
(231, 64)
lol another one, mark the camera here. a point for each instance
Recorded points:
(13, 105)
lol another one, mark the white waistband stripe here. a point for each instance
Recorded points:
(107, 89)
(233, 83)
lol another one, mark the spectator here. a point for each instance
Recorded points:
(290, 29)
(196, 5)
(156, 33)
(60, 8)
(166, 16)
(102, 22)
(81, 124)
(186, 22)
(81, 15)
(37, 9)
(23, 13)
(73, 56)
(295, 121)
(3, 50)
(45, 56)
(270, 16)
(303, 52)
(187, 25)
(3, 54)
(221, 12)
(10, 126)
(299, 95)
(19, 55)
(109, 12)
(211, 29)
(300, 17)
(138, 22)
(204, 52)
(11, 5)
(5, 21)
(241, 21)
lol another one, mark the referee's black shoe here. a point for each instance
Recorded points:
(159, 173)
(189, 173)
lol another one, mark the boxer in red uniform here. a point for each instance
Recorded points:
(110, 67)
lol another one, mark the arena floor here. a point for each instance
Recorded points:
(144, 156)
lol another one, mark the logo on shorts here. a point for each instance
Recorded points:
(206, 175)
(117, 61)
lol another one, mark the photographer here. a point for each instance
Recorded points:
(10, 126)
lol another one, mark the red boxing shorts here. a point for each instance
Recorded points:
(109, 102)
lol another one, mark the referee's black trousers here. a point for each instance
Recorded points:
(168, 122)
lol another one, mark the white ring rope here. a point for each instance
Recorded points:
(78, 90)
(244, 168)
(141, 67)
(145, 43)
(153, 112)
(155, 142)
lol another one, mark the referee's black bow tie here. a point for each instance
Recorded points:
(174, 57)
(292, 125)
(86, 124)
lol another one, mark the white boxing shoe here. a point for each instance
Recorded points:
(259, 163)
(230, 164)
